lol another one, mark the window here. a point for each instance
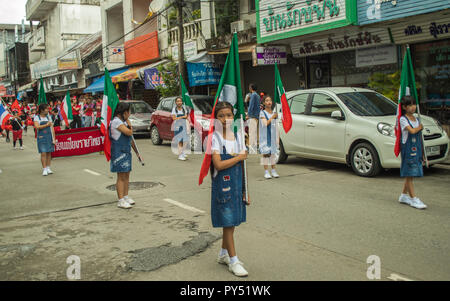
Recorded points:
(368, 104)
(323, 105)
(251, 6)
(168, 104)
(140, 108)
(298, 103)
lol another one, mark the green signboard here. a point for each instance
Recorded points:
(276, 20)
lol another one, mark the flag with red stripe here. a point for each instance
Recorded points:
(109, 104)
(280, 97)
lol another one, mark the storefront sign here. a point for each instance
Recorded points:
(201, 74)
(142, 49)
(269, 55)
(152, 79)
(76, 142)
(44, 68)
(371, 11)
(421, 30)
(340, 42)
(116, 54)
(190, 50)
(70, 61)
(376, 56)
(284, 19)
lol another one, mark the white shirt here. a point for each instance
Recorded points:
(175, 111)
(403, 124)
(37, 116)
(231, 146)
(269, 115)
(115, 133)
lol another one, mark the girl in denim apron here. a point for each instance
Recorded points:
(180, 136)
(411, 152)
(227, 198)
(268, 139)
(44, 135)
(120, 136)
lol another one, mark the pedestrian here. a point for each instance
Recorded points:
(411, 152)
(81, 103)
(17, 129)
(88, 112)
(45, 135)
(76, 123)
(227, 198)
(180, 135)
(268, 137)
(120, 133)
(253, 117)
(98, 112)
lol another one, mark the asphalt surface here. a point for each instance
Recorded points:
(318, 221)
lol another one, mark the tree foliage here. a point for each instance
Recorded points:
(169, 74)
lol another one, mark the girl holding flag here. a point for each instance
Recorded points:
(268, 137)
(411, 152)
(227, 198)
(45, 142)
(179, 116)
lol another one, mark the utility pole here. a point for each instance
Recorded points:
(181, 67)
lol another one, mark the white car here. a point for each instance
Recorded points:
(353, 126)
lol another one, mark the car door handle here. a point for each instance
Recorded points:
(311, 125)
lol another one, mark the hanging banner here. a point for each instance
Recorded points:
(201, 74)
(75, 142)
(152, 79)
(269, 55)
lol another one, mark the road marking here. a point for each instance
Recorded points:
(396, 277)
(184, 206)
(92, 172)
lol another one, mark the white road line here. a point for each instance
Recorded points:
(396, 277)
(184, 206)
(92, 172)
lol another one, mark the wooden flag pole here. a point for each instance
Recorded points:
(245, 161)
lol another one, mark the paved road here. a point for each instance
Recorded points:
(318, 221)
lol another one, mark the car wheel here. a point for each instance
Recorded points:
(281, 155)
(156, 140)
(195, 141)
(364, 160)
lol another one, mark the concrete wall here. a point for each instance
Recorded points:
(244, 10)
(112, 28)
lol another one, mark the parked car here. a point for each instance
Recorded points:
(353, 126)
(141, 113)
(161, 121)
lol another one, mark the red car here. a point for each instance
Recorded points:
(161, 120)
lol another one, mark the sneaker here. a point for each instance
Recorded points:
(267, 175)
(224, 259)
(123, 204)
(45, 173)
(49, 171)
(417, 203)
(404, 199)
(275, 174)
(180, 157)
(130, 201)
(237, 269)
(21, 147)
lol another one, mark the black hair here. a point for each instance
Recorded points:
(222, 105)
(121, 108)
(264, 100)
(253, 86)
(407, 101)
(42, 107)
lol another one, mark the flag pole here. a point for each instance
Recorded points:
(245, 161)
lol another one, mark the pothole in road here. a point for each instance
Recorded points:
(151, 259)
(137, 186)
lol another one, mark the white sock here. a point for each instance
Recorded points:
(273, 170)
(121, 200)
(125, 197)
(267, 171)
(223, 252)
(233, 259)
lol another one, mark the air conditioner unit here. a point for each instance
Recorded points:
(240, 25)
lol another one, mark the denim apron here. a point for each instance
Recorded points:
(180, 133)
(120, 153)
(411, 151)
(227, 206)
(44, 138)
(265, 143)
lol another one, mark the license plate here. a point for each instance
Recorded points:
(433, 150)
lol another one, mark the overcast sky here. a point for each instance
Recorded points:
(12, 11)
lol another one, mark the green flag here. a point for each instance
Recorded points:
(187, 101)
(42, 98)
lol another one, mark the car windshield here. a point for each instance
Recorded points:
(141, 108)
(203, 105)
(368, 104)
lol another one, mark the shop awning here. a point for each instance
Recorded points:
(99, 84)
(242, 49)
(27, 87)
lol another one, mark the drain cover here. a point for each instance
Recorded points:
(136, 186)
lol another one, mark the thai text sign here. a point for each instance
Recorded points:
(70, 61)
(152, 79)
(201, 74)
(269, 55)
(284, 19)
(376, 56)
(340, 42)
(76, 142)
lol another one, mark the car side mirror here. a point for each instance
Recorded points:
(337, 115)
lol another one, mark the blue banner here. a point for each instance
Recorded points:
(201, 74)
(152, 79)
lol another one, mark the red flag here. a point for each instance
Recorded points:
(280, 97)
(15, 106)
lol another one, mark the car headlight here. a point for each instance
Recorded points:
(386, 129)
(439, 125)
